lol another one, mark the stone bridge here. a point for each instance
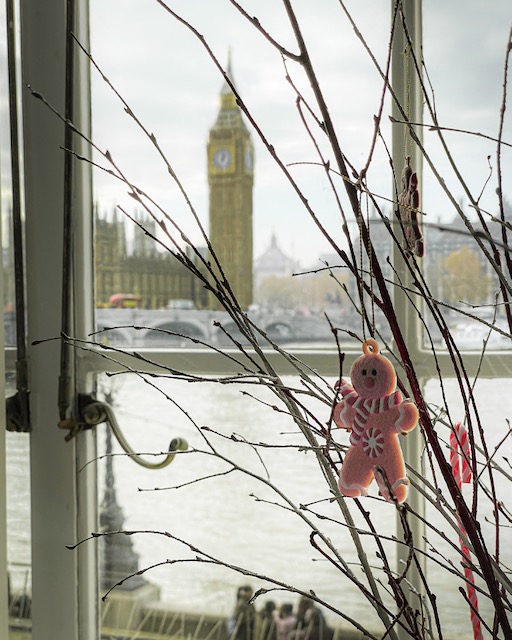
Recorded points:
(179, 327)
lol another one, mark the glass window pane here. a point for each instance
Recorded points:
(276, 256)
(492, 488)
(241, 496)
(463, 227)
(18, 533)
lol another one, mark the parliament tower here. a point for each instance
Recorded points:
(230, 178)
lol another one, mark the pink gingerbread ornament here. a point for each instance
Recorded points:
(375, 413)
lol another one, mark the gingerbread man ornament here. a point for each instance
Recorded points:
(375, 413)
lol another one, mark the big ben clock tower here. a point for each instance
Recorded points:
(230, 178)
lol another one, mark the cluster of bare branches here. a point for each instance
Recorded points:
(405, 606)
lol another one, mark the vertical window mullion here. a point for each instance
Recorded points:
(59, 493)
(83, 325)
(407, 89)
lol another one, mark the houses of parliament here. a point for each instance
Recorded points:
(158, 278)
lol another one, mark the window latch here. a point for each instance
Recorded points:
(96, 412)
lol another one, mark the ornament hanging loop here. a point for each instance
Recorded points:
(370, 347)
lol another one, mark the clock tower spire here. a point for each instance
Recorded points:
(230, 179)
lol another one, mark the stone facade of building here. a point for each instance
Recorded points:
(157, 276)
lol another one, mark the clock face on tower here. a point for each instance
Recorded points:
(222, 158)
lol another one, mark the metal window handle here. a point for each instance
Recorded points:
(97, 412)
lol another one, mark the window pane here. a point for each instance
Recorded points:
(492, 489)
(19, 544)
(458, 263)
(11, 177)
(225, 500)
(284, 241)
(17, 537)
(18, 533)
(234, 505)
(228, 174)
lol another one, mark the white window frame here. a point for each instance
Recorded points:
(63, 499)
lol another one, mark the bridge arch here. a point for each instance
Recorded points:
(175, 333)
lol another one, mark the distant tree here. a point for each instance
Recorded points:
(316, 291)
(464, 277)
(277, 292)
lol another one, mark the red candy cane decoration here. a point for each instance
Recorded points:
(459, 461)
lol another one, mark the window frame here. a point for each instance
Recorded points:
(63, 499)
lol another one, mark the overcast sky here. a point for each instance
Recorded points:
(167, 77)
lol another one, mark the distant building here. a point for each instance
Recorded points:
(442, 241)
(157, 276)
(273, 262)
(230, 178)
